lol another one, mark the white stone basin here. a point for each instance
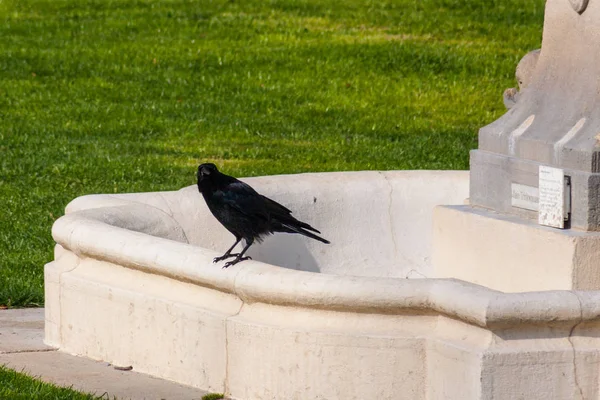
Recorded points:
(133, 283)
(379, 222)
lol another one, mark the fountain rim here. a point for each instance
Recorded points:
(258, 282)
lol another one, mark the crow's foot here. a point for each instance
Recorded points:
(235, 261)
(225, 257)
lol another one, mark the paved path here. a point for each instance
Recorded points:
(22, 348)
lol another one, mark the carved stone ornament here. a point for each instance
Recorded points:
(579, 5)
(524, 75)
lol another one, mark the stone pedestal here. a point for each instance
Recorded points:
(555, 121)
(551, 129)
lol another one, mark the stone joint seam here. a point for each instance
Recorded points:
(570, 339)
(60, 289)
(235, 292)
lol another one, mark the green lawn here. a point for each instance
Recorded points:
(15, 386)
(111, 96)
(18, 386)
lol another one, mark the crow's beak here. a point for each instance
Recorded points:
(204, 172)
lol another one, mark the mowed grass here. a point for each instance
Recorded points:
(108, 96)
(21, 386)
(17, 386)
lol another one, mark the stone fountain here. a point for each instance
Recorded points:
(422, 295)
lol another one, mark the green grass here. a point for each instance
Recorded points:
(213, 396)
(18, 386)
(106, 96)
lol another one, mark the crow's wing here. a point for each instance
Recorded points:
(242, 198)
(283, 216)
(275, 207)
(246, 201)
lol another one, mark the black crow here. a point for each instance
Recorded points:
(245, 213)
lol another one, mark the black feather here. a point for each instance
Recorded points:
(245, 213)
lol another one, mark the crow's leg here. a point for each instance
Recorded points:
(240, 257)
(228, 252)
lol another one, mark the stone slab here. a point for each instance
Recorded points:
(22, 330)
(510, 254)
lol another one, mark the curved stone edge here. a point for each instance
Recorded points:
(82, 232)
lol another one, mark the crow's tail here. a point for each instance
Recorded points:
(297, 229)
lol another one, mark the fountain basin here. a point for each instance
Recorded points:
(133, 283)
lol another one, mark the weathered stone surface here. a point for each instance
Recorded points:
(22, 349)
(510, 254)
